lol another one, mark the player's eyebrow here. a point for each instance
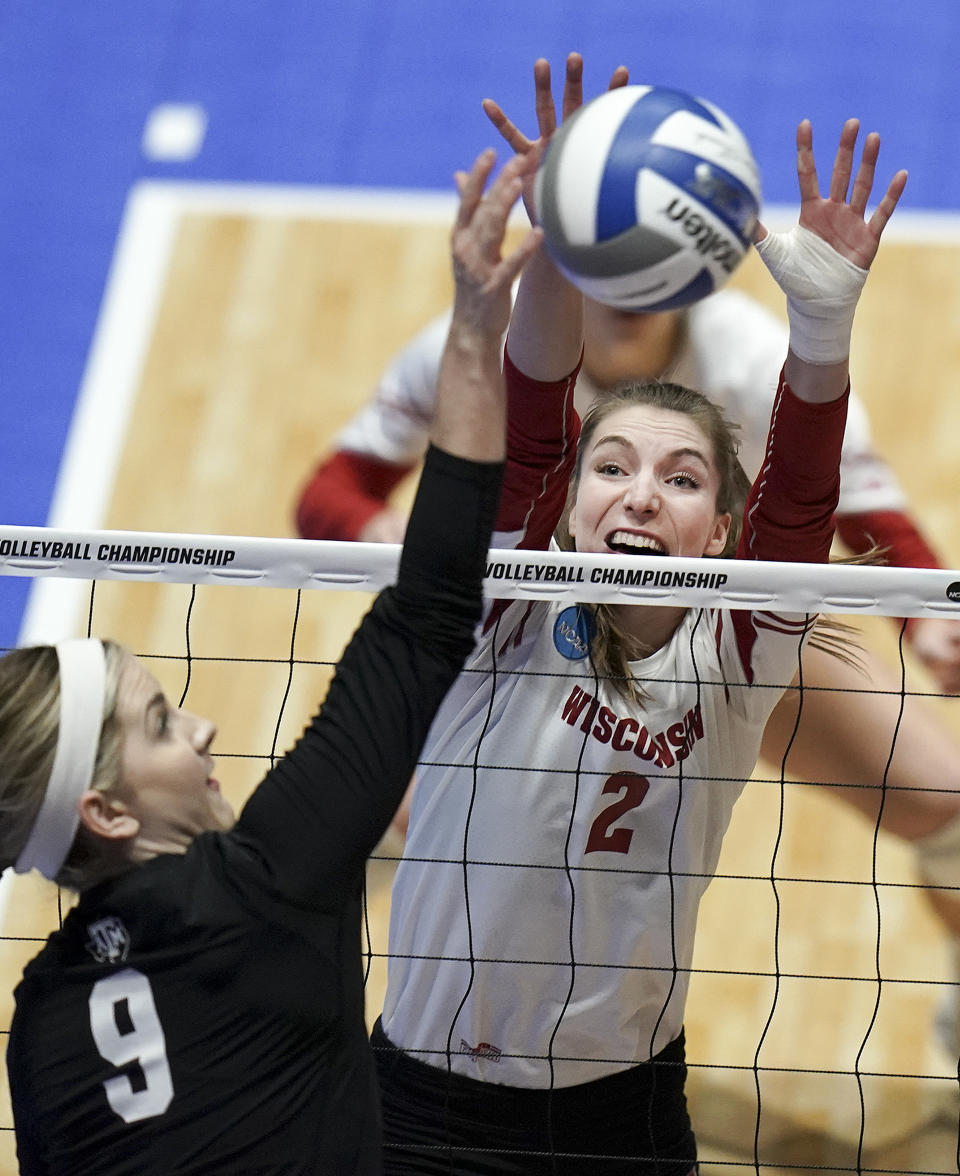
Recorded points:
(682, 451)
(690, 451)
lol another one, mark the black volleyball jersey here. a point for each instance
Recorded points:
(204, 1012)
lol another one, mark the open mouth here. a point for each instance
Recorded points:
(626, 543)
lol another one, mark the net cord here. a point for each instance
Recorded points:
(155, 557)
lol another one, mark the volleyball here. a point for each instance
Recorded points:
(648, 198)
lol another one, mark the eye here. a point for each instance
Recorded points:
(685, 480)
(163, 719)
(608, 468)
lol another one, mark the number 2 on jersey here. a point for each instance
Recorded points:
(602, 837)
(126, 1029)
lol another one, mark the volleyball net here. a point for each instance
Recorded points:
(819, 967)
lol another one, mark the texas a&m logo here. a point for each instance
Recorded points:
(108, 940)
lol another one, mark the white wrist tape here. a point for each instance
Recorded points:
(822, 290)
(938, 856)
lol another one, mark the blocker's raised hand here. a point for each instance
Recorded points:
(546, 110)
(822, 263)
(839, 218)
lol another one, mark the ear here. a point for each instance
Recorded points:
(572, 520)
(718, 539)
(107, 816)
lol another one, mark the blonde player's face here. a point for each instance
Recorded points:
(648, 486)
(166, 774)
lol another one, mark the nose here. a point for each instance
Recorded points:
(641, 495)
(204, 733)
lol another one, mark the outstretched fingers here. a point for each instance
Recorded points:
(482, 216)
(884, 210)
(490, 218)
(572, 86)
(864, 180)
(482, 274)
(493, 214)
(843, 161)
(839, 217)
(863, 183)
(806, 167)
(470, 185)
(620, 77)
(544, 106)
(509, 267)
(509, 131)
(572, 92)
(504, 191)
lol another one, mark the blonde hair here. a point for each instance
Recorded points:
(611, 648)
(29, 724)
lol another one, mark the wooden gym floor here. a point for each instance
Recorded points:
(270, 328)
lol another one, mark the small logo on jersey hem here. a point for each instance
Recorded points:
(573, 632)
(109, 940)
(482, 1049)
(953, 591)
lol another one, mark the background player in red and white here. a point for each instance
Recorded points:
(566, 822)
(731, 349)
(201, 1010)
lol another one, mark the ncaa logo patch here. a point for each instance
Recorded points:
(572, 633)
(953, 592)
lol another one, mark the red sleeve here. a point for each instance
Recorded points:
(789, 513)
(904, 545)
(344, 493)
(542, 430)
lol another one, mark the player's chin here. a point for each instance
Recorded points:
(223, 815)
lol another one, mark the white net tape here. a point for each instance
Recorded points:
(150, 556)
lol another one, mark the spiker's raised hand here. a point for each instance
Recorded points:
(482, 274)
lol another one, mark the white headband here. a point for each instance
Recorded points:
(83, 676)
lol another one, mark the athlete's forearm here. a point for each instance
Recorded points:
(541, 446)
(790, 510)
(545, 336)
(321, 810)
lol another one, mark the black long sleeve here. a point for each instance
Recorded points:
(321, 810)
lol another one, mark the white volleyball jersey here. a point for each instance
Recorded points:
(561, 837)
(732, 352)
